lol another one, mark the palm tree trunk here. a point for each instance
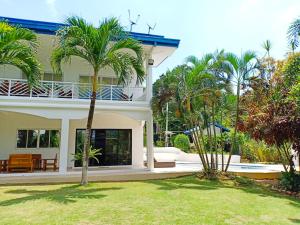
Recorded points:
(85, 160)
(236, 124)
(215, 137)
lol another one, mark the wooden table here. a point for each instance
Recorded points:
(3, 165)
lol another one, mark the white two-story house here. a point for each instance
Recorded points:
(49, 119)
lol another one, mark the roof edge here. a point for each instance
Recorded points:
(50, 28)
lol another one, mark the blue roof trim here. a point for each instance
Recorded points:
(50, 28)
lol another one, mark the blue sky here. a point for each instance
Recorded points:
(202, 26)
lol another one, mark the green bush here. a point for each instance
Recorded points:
(172, 139)
(259, 151)
(160, 144)
(182, 142)
(290, 181)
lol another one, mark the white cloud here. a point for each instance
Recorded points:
(52, 7)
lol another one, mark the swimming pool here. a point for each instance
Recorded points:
(256, 171)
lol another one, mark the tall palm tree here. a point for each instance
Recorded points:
(209, 77)
(293, 33)
(17, 48)
(242, 68)
(101, 46)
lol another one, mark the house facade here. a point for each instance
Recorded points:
(50, 118)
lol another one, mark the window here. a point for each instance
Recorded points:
(44, 138)
(22, 138)
(47, 77)
(86, 79)
(52, 77)
(32, 138)
(109, 81)
(38, 138)
(54, 138)
(101, 80)
(114, 144)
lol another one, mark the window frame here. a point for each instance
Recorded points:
(23, 77)
(100, 79)
(38, 138)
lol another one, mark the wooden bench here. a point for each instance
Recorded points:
(20, 162)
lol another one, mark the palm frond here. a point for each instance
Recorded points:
(106, 45)
(294, 32)
(18, 48)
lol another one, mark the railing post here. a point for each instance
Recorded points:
(128, 89)
(30, 92)
(72, 90)
(52, 89)
(9, 87)
(111, 94)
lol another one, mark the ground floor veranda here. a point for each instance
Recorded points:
(132, 167)
(56, 134)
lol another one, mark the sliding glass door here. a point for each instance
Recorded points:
(115, 145)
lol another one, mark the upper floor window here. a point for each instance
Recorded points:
(101, 80)
(52, 77)
(109, 80)
(47, 77)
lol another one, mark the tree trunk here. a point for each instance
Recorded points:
(236, 125)
(86, 147)
(215, 137)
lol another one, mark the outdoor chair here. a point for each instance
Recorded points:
(37, 161)
(50, 163)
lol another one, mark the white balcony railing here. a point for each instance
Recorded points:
(69, 90)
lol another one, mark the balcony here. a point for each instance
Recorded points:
(69, 90)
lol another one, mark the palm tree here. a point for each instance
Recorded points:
(101, 47)
(293, 33)
(242, 68)
(267, 45)
(209, 78)
(17, 48)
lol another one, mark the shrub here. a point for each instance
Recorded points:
(259, 151)
(172, 139)
(182, 142)
(160, 143)
(290, 181)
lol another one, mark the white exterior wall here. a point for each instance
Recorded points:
(111, 121)
(9, 125)
(71, 70)
(11, 122)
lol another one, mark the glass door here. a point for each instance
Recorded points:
(114, 144)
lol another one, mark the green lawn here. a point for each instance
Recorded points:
(175, 201)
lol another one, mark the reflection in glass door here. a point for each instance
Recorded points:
(115, 145)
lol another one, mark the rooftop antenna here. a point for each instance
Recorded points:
(132, 22)
(151, 27)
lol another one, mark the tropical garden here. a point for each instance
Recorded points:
(256, 97)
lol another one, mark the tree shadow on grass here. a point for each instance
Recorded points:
(240, 183)
(297, 221)
(63, 195)
(190, 182)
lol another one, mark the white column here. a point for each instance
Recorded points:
(150, 150)
(138, 146)
(149, 79)
(64, 142)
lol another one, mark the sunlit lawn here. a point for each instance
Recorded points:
(176, 201)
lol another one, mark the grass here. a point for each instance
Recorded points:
(186, 200)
